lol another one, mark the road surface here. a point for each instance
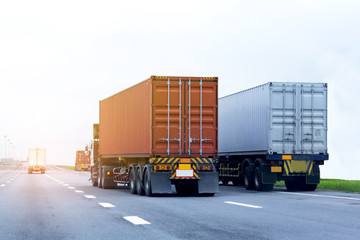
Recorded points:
(62, 204)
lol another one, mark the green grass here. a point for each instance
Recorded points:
(334, 184)
(70, 167)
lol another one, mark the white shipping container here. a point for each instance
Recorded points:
(274, 118)
(37, 157)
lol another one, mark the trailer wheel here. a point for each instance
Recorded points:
(94, 183)
(139, 185)
(248, 179)
(99, 177)
(259, 186)
(311, 187)
(132, 181)
(103, 182)
(147, 183)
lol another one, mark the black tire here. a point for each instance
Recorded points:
(248, 179)
(290, 185)
(132, 181)
(94, 183)
(147, 183)
(259, 186)
(207, 194)
(139, 185)
(99, 177)
(311, 187)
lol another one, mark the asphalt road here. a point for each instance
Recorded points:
(62, 204)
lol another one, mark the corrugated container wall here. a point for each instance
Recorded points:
(274, 118)
(154, 118)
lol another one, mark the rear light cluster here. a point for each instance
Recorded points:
(206, 168)
(162, 168)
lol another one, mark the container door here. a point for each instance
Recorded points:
(168, 117)
(184, 117)
(201, 118)
(298, 118)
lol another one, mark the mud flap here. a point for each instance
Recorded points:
(160, 183)
(268, 178)
(208, 182)
(313, 179)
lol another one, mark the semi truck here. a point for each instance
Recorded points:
(157, 134)
(82, 161)
(276, 131)
(37, 160)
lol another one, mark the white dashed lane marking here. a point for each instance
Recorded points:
(323, 196)
(136, 220)
(71, 187)
(106, 205)
(89, 196)
(79, 191)
(2, 185)
(242, 204)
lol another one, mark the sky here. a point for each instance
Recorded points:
(59, 58)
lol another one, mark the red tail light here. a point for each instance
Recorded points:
(201, 167)
(157, 167)
(168, 168)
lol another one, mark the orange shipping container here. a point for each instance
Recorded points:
(161, 117)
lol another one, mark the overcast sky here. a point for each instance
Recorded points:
(59, 58)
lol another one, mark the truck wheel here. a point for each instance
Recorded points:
(259, 186)
(94, 183)
(311, 187)
(290, 185)
(139, 185)
(147, 184)
(99, 177)
(132, 181)
(248, 179)
(103, 182)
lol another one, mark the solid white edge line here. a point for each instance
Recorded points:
(136, 220)
(106, 205)
(89, 196)
(324, 196)
(242, 204)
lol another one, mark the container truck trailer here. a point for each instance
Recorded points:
(37, 160)
(158, 133)
(82, 161)
(276, 131)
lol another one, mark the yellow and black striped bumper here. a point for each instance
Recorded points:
(190, 164)
(297, 167)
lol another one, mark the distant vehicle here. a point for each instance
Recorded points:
(37, 160)
(158, 133)
(82, 161)
(276, 131)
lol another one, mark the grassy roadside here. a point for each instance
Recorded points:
(69, 167)
(334, 185)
